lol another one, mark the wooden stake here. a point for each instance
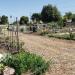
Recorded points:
(17, 35)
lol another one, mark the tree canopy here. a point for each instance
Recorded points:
(36, 16)
(73, 17)
(4, 19)
(50, 13)
(24, 20)
(68, 15)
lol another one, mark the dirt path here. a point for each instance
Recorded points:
(62, 52)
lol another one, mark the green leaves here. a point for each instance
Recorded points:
(1, 66)
(50, 13)
(36, 16)
(24, 20)
(24, 61)
(4, 19)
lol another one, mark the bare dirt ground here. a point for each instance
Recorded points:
(61, 52)
(2, 51)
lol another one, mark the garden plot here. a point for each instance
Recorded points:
(62, 52)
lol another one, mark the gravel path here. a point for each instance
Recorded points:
(62, 52)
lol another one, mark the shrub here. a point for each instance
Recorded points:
(24, 61)
(44, 33)
(22, 29)
(60, 23)
(53, 25)
(69, 36)
(1, 67)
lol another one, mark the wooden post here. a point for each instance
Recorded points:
(17, 35)
(12, 35)
(9, 38)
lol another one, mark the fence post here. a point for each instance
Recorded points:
(17, 34)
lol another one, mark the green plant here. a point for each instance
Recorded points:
(53, 25)
(71, 36)
(44, 33)
(1, 67)
(22, 29)
(24, 61)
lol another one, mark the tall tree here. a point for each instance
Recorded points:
(56, 14)
(24, 20)
(50, 13)
(36, 16)
(68, 15)
(73, 17)
(4, 19)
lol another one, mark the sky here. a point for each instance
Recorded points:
(17, 8)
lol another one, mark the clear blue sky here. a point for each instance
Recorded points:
(27, 7)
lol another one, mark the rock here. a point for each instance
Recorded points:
(8, 71)
(1, 56)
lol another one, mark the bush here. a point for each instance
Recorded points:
(53, 25)
(69, 36)
(60, 23)
(1, 68)
(22, 30)
(44, 33)
(25, 61)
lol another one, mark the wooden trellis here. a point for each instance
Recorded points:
(14, 38)
(9, 38)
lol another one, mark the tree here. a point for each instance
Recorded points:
(68, 15)
(4, 19)
(14, 23)
(56, 14)
(36, 16)
(73, 17)
(50, 13)
(24, 20)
